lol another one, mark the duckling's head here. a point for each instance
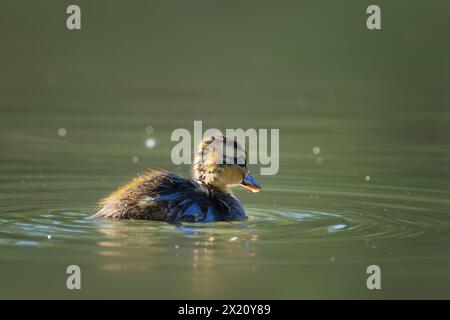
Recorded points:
(221, 162)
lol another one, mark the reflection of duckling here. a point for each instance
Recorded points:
(165, 196)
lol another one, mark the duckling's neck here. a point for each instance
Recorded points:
(214, 188)
(208, 182)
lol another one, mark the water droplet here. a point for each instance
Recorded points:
(316, 150)
(150, 143)
(337, 227)
(135, 159)
(62, 132)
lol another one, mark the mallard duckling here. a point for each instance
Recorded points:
(164, 196)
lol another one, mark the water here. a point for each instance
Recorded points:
(364, 155)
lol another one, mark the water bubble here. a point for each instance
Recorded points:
(49, 237)
(234, 239)
(316, 150)
(150, 143)
(337, 227)
(62, 132)
(135, 159)
(149, 130)
(367, 178)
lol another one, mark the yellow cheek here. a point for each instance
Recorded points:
(233, 176)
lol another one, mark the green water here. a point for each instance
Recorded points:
(376, 103)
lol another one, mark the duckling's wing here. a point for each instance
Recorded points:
(184, 199)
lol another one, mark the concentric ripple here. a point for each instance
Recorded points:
(45, 229)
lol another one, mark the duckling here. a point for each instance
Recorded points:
(164, 196)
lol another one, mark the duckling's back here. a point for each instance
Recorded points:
(164, 196)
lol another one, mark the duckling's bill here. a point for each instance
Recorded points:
(250, 183)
